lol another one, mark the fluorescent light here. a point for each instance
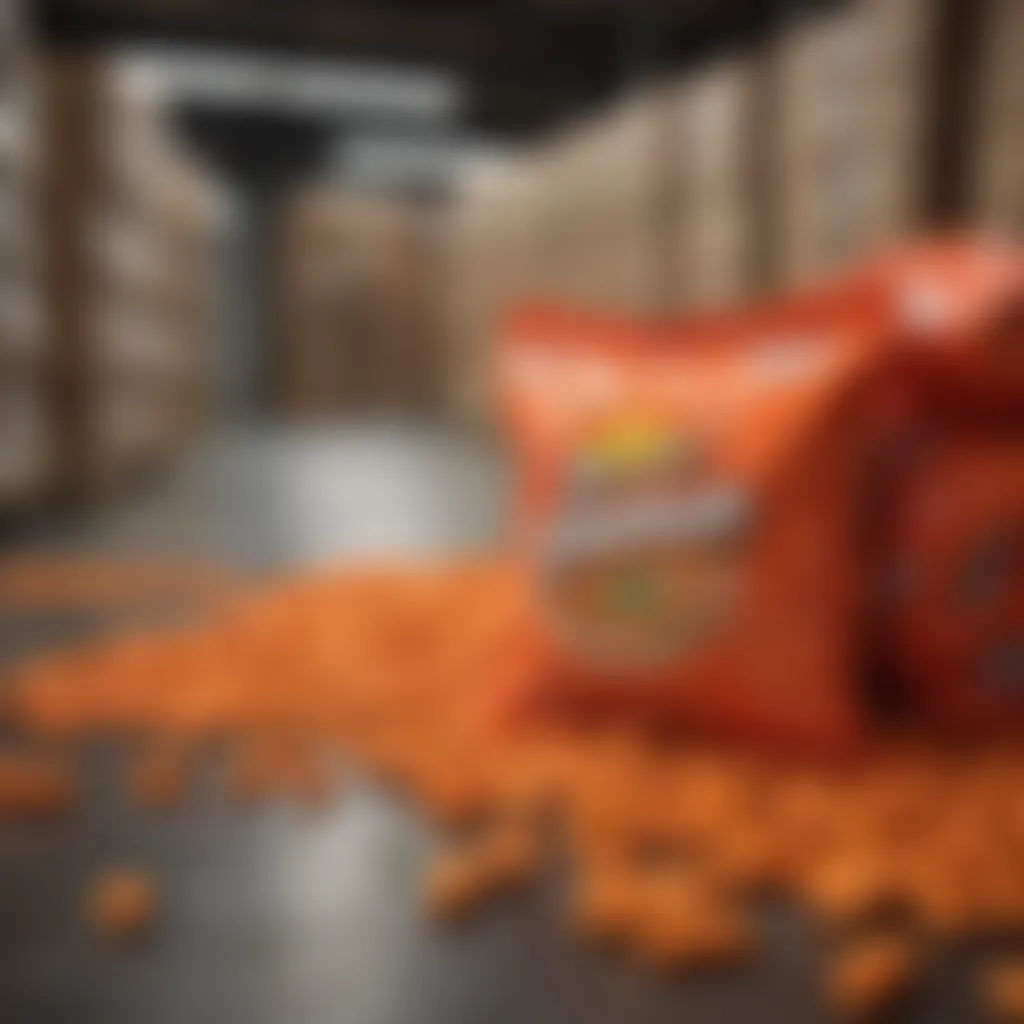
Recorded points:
(301, 85)
(382, 158)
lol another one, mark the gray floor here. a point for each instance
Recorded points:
(285, 497)
(278, 916)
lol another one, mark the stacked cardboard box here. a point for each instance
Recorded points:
(850, 131)
(25, 456)
(576, 208)
(609, 192)
(500, 244)
(712, 218)
(995, 178)
(129, 245)
(578, 218)
(846, 130)
(153, 317)
(766, 167)
(357, 316)
(315, 270)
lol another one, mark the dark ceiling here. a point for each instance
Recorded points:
(528, 63)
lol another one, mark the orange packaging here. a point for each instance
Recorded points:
(955, 628)
(951, 558)
(704, 507)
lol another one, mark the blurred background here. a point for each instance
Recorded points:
(261, 220)
(251, 256)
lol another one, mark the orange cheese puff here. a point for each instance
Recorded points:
(723, 936)
(700, 931)
(850, 887)
(943, 907)
(594, 825)
(312, 778)
(612, 817)
(1003, 991)
(123, 903)
(605, 904)
(999, 896)
(804, 805)
(708, 800)
(503, 857)
(392, 754)
(255, 772)
(889, 807)
(962, 888)
(964, 852)
(454, 794)
(34, 788)
(747, 859)
(871, 975)
(157, 779)
(532, 790)
(673, 943)
(513, 851)
(457, 883)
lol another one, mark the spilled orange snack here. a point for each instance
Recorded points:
(735, 611)
(35, 787)
(378, 666)
(871, 975)
(123, 903)
(158, 779)
(1003, 991)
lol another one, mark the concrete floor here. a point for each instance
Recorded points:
(277, 916)
(280, 497)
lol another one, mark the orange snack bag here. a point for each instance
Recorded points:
(685, 514)
(699, 502)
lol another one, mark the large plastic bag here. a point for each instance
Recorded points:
(705, 506)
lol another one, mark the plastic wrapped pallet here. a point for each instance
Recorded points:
(129, 234)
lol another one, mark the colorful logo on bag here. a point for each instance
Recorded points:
(635, 449)
(643, 560)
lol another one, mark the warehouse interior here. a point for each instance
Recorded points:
(257, 498)
(299, 216)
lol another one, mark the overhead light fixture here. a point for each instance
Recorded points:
(402, 159)
(333, 88)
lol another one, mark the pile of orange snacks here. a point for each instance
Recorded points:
(672, 840)
(730, 527)
(732, 521)
(73, 582)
